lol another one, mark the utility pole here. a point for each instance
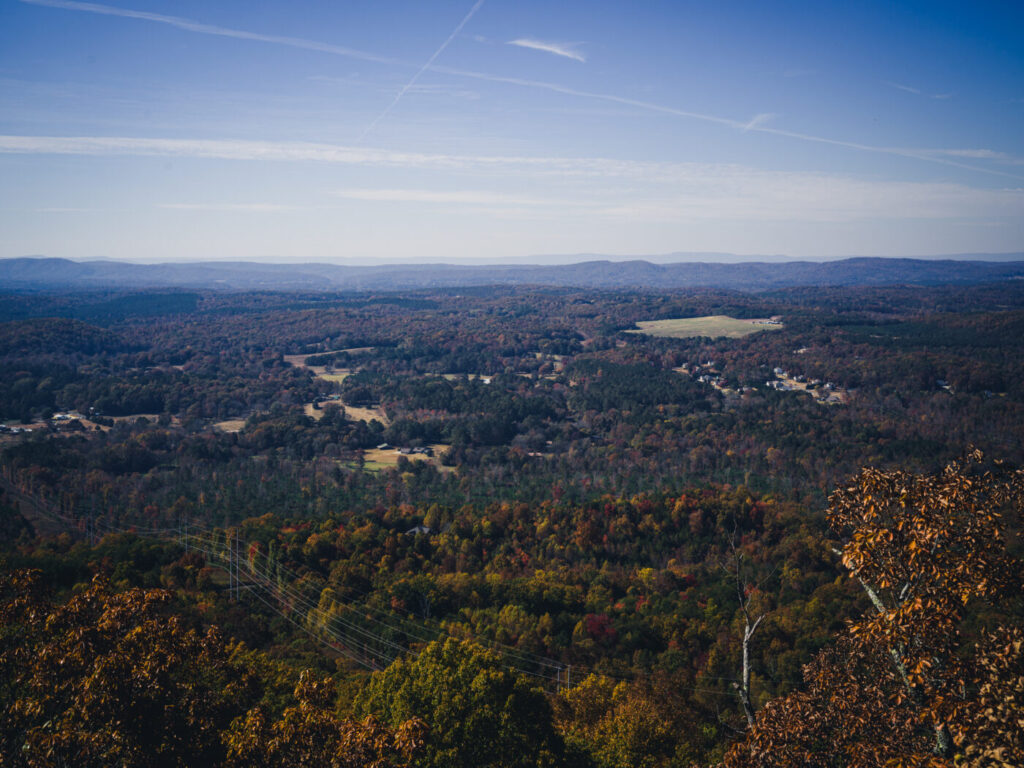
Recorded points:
(229, 542)
(238, 566)
(567, 683)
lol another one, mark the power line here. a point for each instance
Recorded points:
(345, 634)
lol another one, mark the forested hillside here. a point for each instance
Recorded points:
(492, 526)
(599, 273)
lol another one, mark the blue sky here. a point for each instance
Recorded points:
(376, 130)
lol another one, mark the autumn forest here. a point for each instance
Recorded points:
(513, 526)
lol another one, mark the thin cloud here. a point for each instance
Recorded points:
(222, 207)
(724, 193)
(978, 154)
(902, 87)
(66, 210)
(586, 189)
(566, 50)
(226, 149)
(562, 168)
(918, 91)
(460, 197)
(424, 68)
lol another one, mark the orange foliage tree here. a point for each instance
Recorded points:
(906, 685)
(110, 679)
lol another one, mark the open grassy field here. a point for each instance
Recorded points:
(470, 376)
(231, 425)
(376, 458)
(299, 361)
(713, 326)
(352, 412)
(338, 374)
(366, 414)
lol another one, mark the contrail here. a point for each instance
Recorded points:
(424, 68)
(189, 25)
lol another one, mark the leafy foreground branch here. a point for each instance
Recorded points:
(113, 679)
(934, 674)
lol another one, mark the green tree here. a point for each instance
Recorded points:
(311, 734)
(480, 713)
(629, 725)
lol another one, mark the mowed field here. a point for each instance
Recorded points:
(230, 425)
(352, 412)
(385, 458)
(337, 375)
(713, 326)
(299, 361)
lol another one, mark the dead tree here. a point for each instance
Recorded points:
(745, 588)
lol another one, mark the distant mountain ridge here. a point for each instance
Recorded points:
(32, 273)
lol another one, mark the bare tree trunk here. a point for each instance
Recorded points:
(744, 687)
(749, 628)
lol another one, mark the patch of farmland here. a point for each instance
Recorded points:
(712, 326)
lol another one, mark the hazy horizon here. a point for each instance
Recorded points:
(552, 259)
(490, 132)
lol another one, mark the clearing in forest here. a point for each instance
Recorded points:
(230, 425)
(299, 361)
(713, 326)
(336, 375)
(352, 412)
(386, 458)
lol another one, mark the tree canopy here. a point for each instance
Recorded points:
(931, 674)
